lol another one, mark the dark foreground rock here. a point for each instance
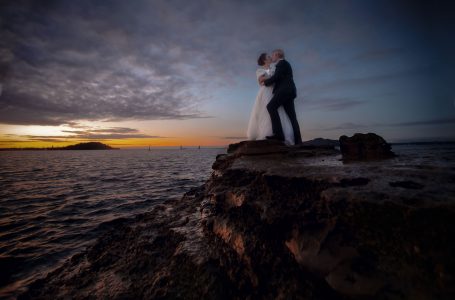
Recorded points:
(365, 146)
(322, 142)
(282, 223)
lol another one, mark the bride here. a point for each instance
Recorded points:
(260, 124)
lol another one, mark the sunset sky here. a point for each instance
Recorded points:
(169, 73)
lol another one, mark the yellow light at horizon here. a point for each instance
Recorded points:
(169, 142)
(37, 130)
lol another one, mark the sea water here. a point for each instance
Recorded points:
(54, 203)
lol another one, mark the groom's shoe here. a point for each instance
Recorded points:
(274, 137)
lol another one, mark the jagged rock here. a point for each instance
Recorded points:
(320, 142)
(290, 224)
(365, 146)
(257, 147)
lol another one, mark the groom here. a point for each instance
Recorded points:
(284, 93)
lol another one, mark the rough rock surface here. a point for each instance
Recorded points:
(365, 146)
(277, 222)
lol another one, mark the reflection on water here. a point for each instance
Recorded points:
(53, 203)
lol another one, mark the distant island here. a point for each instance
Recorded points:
(87, 146)
(80, 146)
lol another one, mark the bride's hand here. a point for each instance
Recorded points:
(261, 79)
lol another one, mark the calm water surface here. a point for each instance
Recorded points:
(54, 203)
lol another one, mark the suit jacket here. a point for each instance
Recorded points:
(283, 79)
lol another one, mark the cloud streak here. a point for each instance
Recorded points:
(440, 121)
(431, 122)
(112, 133)
(332, 104)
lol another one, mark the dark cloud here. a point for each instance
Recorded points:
(72, 60)
(64, 61)
(120, 130)
(116, 130)
(331, 104)
(8, 142)
(345, 126)
(440, 121)
(46, 140)
(349, 125)
(93, 136)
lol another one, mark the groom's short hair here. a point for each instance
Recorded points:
(279, 52)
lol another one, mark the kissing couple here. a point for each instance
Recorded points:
(273, 116)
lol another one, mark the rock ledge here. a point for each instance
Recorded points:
(280, 222)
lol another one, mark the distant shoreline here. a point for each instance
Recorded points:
(80, 146)
(424, 143)
(101, 146)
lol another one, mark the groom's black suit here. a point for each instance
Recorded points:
(284, 93)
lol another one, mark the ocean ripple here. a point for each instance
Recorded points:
(54, 203)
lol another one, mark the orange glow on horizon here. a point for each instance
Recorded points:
(31, 136)
(126, 143)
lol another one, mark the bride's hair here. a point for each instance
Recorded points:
(262, 58)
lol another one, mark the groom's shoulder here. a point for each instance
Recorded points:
(284, 62)
(281, 63)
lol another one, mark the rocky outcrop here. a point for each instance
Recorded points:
(277, 222)
(318, 142)
(365, 146)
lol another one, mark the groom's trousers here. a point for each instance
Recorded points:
(287, 101)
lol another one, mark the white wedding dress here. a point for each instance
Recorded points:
(260, 124)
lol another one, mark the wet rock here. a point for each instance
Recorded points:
(257, 147)
(407, 184)
(277, 222)
(365, 146)
(345, 182)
